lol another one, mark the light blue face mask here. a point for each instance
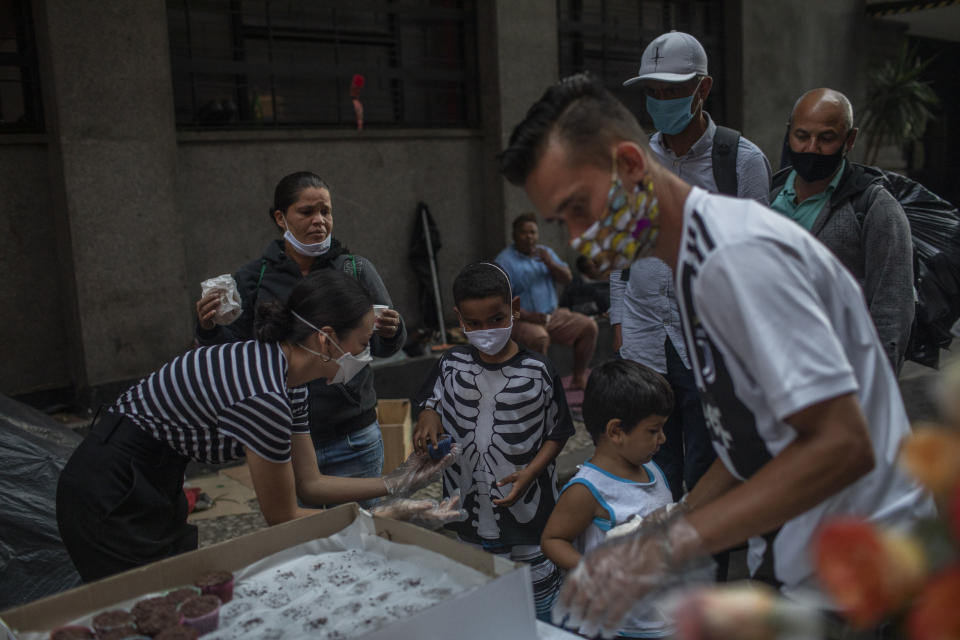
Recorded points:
(671, 116)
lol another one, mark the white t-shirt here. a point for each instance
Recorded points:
(774, 324)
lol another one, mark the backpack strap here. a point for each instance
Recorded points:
(351, 267)
(863, 201)
(726, 142)
(263, 269)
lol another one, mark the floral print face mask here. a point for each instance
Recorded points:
(628, 231)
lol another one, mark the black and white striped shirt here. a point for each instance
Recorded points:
(210, 402)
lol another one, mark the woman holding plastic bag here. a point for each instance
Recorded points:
(343, 418)
(120, 501)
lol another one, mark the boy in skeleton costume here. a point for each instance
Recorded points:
(506, 408)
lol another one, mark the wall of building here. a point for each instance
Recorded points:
(225, 189)
(33, 337)
(108, 106)
(790, 47)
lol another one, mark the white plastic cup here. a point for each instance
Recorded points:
(378, 310)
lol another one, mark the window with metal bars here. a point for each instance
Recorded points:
(606, 37)
(20, 106)
(291, 63)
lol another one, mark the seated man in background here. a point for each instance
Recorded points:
(534, 272)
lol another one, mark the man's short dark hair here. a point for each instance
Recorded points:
(624, 390)
(523, 219)
(481, 280)
(582, 114)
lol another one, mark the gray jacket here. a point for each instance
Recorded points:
(875, 246)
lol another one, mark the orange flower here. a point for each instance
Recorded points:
(932, 456)
(936, 614)
(869, 574)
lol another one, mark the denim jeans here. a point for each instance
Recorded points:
(355, 455)
(688, 452)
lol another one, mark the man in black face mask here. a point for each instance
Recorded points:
(824, 193)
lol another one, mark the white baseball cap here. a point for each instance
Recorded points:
(671, 57)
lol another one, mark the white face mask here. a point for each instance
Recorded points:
(490, 341)
(311, 250)
(350, 365)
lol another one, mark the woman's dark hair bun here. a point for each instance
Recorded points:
(273, 320)
(324, 298)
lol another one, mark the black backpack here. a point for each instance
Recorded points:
(935, 231)
(726, 142)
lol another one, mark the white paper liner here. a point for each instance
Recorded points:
(364, 583)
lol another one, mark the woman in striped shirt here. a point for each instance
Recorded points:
(120, 501)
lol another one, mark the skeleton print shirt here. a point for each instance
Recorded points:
(500, 414)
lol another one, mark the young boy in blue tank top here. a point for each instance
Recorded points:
(624, 408)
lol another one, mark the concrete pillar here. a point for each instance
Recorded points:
(527, 62)
(108, 101)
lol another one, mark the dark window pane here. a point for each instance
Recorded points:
(607, 37)
(252, 63)
(20, 109)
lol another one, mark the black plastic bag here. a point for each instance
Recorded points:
(33, 449)
(935, 229)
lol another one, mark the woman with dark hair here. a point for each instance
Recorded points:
(120, 501)
(343, 416)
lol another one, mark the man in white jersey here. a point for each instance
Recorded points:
(804, 414)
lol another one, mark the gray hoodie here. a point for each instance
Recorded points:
(875, 246)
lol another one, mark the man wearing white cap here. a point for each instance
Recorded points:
(673, 76)
(643, 306)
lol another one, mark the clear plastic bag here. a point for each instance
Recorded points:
(230, 305)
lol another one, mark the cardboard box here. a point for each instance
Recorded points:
(501, 609)
(397, 429)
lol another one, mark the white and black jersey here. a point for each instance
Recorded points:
(774, 324)
(210, 402)
(501, 415)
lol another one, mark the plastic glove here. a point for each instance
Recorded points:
(416, 472)
(658, 516)
(607, 583)
(428, 514)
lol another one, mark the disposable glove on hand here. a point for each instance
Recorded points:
(416, 472)
(657, 517)
(612, 578)
(428, 514)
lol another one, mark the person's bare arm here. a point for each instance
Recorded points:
(275, 487)
(559, 271)
(428, 430)
(534, 317)
(573, 513)
(831, 451)
(712, 484)
(316, 488)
